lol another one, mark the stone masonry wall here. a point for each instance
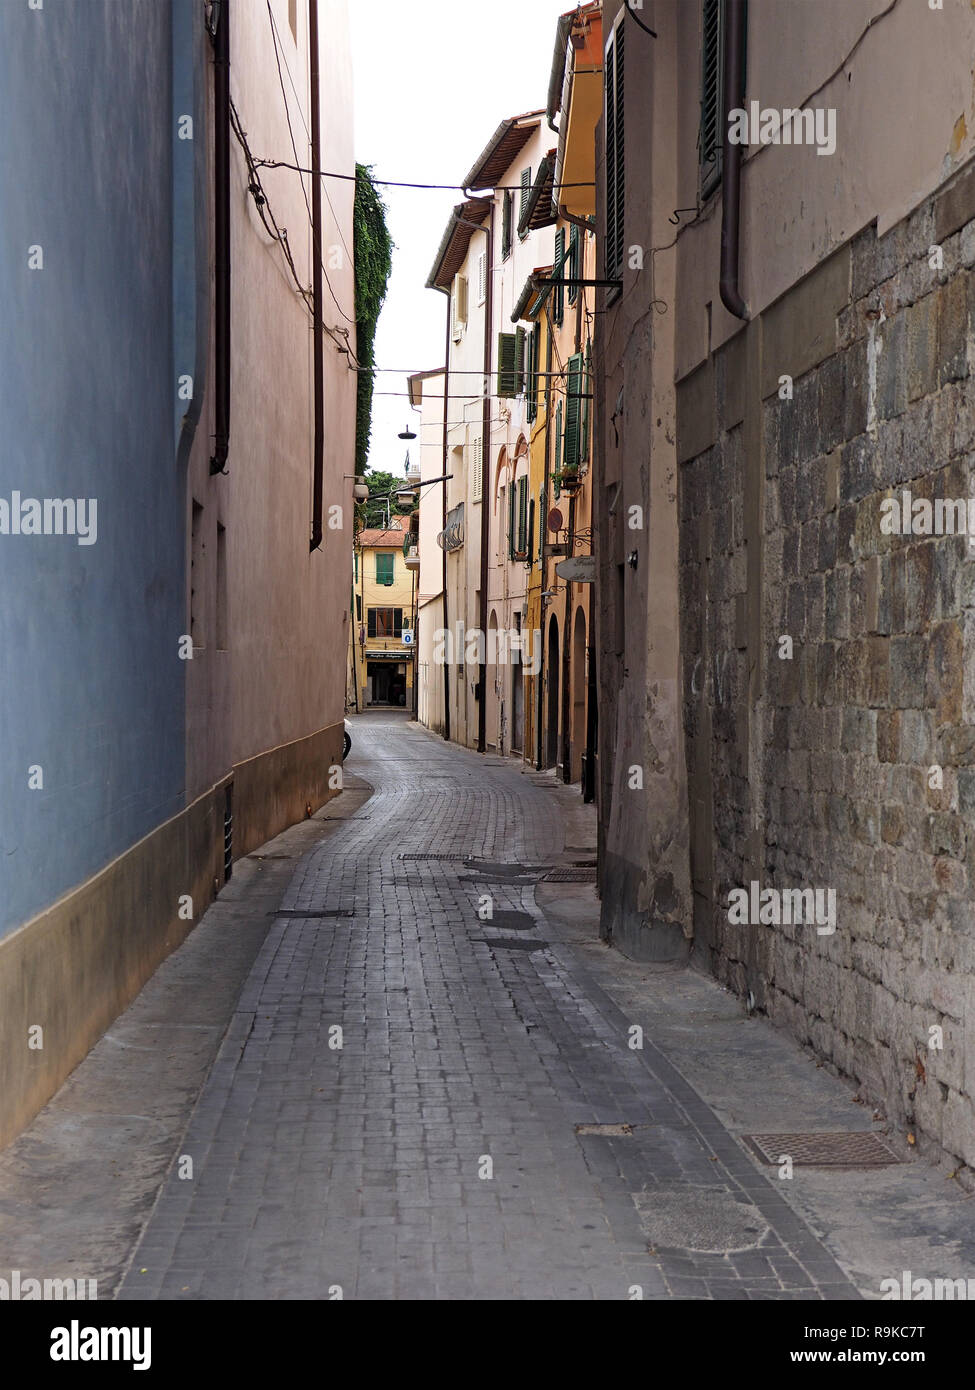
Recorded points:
(857, 761)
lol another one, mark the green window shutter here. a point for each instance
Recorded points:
(506, 226)
(711, 139)
(530, 539)
(558, 309)
(523, 515)
(586, 388)
(511, 521)
(526, 188)
(558, 446)
(615, 155)
(531, 385)
(520, 336)
(573, 392)
(542, 522)
(507, 364)
(574, 263)
(384, 569)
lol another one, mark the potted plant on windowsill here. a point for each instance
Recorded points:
(568, 476)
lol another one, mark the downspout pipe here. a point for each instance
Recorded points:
(734, 89)
(221, 238)
(487, 487)
(316, 251)
(443, 494)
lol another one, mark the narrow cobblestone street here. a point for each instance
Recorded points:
(435, 1153)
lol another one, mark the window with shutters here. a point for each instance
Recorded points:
(531, 528)
(520, 338)
(586, 392)
(384, 569)
(507, 364)
(506, 221)
(511, 521)
(542, 521)
(526, 188)
(558, 294)
(573, 271)
(482, 277)
(711, 139)
(521, 545)
(385, 622)
(558, 449)
(615, 154)
(573, 413)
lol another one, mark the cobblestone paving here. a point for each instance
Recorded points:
(434, 1155)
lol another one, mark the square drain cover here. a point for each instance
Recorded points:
(859, 1149)
(581, 875)
(607, 1131)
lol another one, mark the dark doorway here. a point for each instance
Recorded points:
(552, 676)
(517, 695)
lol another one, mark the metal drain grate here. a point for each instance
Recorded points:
(457, 858)
(511, 944)
(571, 876)
(856, 1149)
(607, 1131)
(312, 912)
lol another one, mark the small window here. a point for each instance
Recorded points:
(477, 471)
(507, 217)
(615, 154)
(507, 364)
(482, 277)
(385, 569)
(222, 635)
(521, 545)
(197, 577)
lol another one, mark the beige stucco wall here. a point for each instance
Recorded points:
(905, 118)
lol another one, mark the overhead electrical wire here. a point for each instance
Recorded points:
(399, 183)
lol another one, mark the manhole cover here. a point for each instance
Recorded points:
(709, 1220)
(509, 920)
(503, 943)
(457, 858)
(485, 866)
(312, 912)
(607, 1131)
(571, 876)
(858, 1149)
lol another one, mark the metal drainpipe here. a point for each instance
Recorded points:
(316, 250)
(221, 237)
(443, 494)
(487, 476)
(734, 73)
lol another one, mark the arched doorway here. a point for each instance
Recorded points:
(552, 704)
(578, 744)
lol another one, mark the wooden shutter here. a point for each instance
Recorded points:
(587, 389)
(573, 262)
(511, 520)
(482, 277)
(523, 515)
(384, 569)
(711, 141)
(530, 545)
(478, 470)
(520, 336)
(558, 446)
(506, 225)
(531, 385)
(526, 188)
(507, 364)
(573, 413)
(615, 154)
(558, 309)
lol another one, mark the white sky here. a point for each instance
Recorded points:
(432, 84)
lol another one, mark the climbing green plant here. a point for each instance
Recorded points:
(373, 264)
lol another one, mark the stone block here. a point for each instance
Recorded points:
(908, 669)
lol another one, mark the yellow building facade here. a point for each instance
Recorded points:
(383, 628)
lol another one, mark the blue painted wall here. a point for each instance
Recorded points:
(91, 687)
